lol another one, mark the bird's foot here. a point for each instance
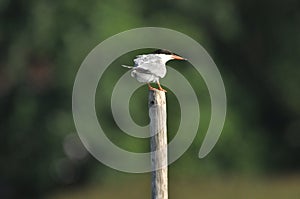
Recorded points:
(151, 88)
(154, 89)
(161, 89)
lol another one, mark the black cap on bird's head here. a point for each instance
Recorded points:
(167, 52)
(163, 51)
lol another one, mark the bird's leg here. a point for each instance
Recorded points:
(150, 87)
(160, 88)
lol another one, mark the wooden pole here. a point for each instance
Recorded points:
(159, 144)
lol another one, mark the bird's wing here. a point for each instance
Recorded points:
(143, 59)
(143, 70)
(138, 69)
(152, 64)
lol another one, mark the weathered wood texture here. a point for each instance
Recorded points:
(159, 144)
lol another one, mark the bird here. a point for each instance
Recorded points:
(149, 68)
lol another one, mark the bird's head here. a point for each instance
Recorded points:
(167, 55)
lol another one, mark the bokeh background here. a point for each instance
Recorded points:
(255, 44)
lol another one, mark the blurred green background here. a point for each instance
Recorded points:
(255, 44)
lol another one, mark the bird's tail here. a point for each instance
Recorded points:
(127, 66)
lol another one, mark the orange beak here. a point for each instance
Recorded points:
(178, 57)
